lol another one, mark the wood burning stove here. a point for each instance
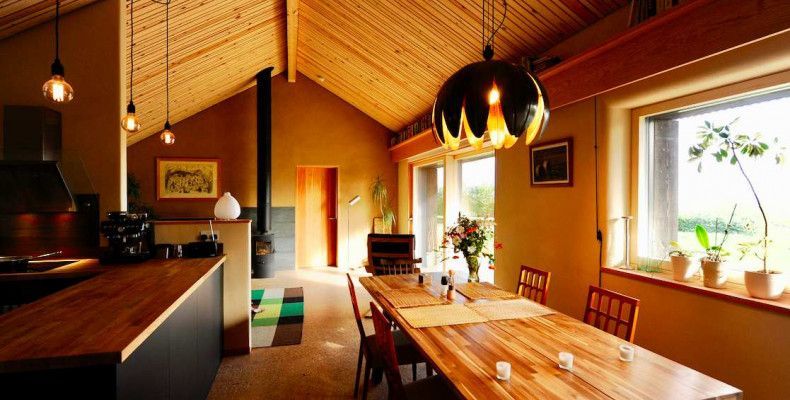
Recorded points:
(262, 236)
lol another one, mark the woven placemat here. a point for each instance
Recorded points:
(448, 314)
(509, 309)
(411, 297)
(477, 291)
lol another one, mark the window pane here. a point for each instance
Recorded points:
(429, 214)
(477, 177)
(680, 195)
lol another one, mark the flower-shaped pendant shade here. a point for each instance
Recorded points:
(490, 97)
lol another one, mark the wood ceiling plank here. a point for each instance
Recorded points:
(292, 22)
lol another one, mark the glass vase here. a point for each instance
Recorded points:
(473, 263)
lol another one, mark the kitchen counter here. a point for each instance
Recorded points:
(101, 320)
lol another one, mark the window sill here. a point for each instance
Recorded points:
(733, 293)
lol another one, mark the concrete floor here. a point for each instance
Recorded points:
(323, 365)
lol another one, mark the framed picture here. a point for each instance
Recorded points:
(552, 163)
(187, 178)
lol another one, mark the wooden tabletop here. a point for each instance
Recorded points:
(466, 355)
(101, 320)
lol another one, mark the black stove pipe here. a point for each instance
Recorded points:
(264, 116)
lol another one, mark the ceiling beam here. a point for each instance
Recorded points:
(292, 24)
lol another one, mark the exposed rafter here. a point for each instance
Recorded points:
(292, 23)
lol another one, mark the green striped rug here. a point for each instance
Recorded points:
(279, 317)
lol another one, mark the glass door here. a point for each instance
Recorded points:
(428, 216)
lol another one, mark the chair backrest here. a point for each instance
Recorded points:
(357, 314)
(399, 266)
(612, 312)
(386, 345)
(533, 284)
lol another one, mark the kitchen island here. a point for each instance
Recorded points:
(148, 330)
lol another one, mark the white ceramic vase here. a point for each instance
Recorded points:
(683, 268)
(227, 207)
(714, 274)
(765, 286)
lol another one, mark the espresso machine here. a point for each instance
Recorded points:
(130, 238)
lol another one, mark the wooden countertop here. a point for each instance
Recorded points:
(101, 320)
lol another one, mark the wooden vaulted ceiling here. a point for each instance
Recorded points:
(385, 57)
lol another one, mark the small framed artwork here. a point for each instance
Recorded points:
(552, 163)
(188, 178)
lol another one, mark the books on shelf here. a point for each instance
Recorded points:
(422, 124)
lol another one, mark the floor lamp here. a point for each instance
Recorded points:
(354, 200)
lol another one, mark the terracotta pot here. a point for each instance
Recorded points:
(683, 268)
(714, 274)
(765, 286)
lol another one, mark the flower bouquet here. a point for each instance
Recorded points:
(468, 237)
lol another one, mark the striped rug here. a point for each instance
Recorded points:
(277, 317)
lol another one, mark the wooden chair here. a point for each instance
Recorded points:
(533, 284)
(612, 312)
(369, 349)
(432, 387)
(400, 266)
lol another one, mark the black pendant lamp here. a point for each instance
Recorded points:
(56, 89)
(167, 136)
(130, 123)
(491, 97)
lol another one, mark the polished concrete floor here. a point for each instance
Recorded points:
(323, 365)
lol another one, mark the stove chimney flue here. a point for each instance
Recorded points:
(264, 117)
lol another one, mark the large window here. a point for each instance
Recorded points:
(677, 193)
(441, 189)
(429, 213)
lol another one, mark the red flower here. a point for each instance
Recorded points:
(491, 266)
(498, 245)
(455, 257)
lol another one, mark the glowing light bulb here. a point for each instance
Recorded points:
(493, 96)
(167, 136)
(496, 127)
(56, 89)
(129, 122)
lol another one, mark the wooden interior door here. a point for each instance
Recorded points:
(316, 216)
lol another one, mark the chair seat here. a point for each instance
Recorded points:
(432, 388)
(405, 350)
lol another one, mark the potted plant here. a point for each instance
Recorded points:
(724, 144)
(378, 191)
(468, 237)
(714, 269)
(683, 266)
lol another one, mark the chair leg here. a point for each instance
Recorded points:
(365, 382)
(359, 370)
(414, 372)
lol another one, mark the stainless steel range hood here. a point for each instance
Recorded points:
(31, 179)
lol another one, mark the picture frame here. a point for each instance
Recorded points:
(181, 178)
(551, 163)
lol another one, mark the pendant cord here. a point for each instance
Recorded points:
(131, 52)
(57, 29)
(490, 26)
(167, 58)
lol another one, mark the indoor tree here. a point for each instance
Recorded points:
(725, 145)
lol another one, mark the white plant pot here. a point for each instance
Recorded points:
(765, 286)
(714, 274)
(683, 268)
(227, 207)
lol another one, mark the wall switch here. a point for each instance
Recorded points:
(206, 235)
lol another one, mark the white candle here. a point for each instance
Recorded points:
(626, 352)
(566, 360)
(503, 370)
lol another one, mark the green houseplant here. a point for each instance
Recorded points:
(683, 266)
(378, 190)
(725, 145)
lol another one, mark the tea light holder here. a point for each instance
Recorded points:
(503, 370)
(626, 353)
(566, 360)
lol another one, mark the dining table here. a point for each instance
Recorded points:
(466, 354)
